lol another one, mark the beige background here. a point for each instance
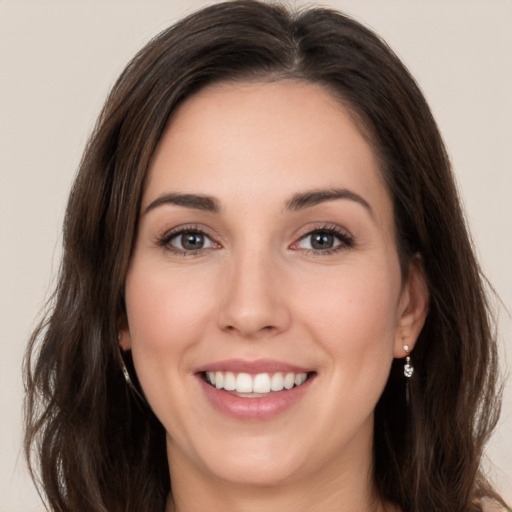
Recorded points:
(57, 62)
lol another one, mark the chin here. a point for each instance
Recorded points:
(260, 472)
(249, 460)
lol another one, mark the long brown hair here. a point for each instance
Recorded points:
(96, 445)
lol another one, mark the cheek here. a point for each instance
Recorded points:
(163, 306)
(352, 318)
(164, 310)
(354, 313)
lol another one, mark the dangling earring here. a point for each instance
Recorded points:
(408, 371)
(126, 374)
(408, 367)
(123, 366)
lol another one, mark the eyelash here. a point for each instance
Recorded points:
(346, 240)
(164, 241)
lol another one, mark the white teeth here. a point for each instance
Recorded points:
(229, 381)
(261, 383)
(277, 382)
(258, 384)
(289, 380)
(300, 378)
(244, 383)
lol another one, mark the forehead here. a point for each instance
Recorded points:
(264, 140)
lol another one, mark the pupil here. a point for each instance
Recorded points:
(192, 241)
(322, 241)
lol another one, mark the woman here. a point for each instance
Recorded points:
(268, 298)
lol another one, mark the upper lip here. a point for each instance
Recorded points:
(252, 367)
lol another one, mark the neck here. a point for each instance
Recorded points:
(268, 503)
(268, 500)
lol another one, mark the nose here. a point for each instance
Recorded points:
(255, 299)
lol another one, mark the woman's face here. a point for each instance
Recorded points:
(266, 255)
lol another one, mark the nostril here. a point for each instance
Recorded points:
(248, 331)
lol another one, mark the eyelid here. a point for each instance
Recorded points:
(164, 240)
(346, 239)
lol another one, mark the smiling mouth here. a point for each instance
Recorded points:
(254, 386)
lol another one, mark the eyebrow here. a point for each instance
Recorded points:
(195, 201)
(299, 201)
(313, 197)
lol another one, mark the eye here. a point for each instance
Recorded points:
(187, 241)
(324, 240)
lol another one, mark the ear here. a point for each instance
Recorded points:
(412, 309)
(123, 336)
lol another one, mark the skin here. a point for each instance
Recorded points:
(258, 289)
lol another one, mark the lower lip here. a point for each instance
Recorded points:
(258, 408)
